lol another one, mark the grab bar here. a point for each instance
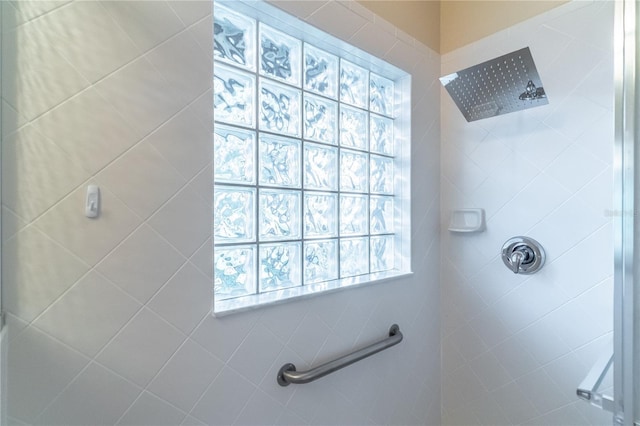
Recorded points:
(288, 373)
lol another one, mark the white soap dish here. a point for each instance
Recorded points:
(467, 220)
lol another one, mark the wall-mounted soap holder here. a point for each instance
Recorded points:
(467, 220)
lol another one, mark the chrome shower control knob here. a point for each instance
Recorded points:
(523, 255)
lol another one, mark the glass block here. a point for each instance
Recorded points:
(279, 161)
(382, 255)
(320, 167)
(381, 174)
(381, 135)
(381, 215)
(354, 257)
(320, 72)
(234, 38)
(320, 117)
(280, 266)
(320, 261)
(234, 271)
(320, 215)
(280, 55)
(233, 96)
(354, 214)
(279, 108)
(354, 84)
(353, 127)
(233, 214)
(279, 215)
(381, 95)
(354, 175)
(233, 153)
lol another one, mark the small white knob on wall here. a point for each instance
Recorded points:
(92, 202)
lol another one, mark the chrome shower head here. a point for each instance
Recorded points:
(499, 86)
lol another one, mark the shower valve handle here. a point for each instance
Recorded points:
(516, 259)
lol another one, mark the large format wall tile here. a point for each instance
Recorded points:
(141, 264)
(149, 410)
(91, 240)
(39, 78)
(141, 348)
(90, 130)
(34, 357)
(186, 376)
(105, 398)
(39, 272)
(78, 31)
(89, 314)
(36, 173)
(109, 318)
(148, 23)
(509, 341)
(142, 167)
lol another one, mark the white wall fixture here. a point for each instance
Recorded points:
(467, 220)
(92, 203)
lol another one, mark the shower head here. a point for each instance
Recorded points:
(499, 86)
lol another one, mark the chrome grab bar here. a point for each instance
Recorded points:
(288, 373)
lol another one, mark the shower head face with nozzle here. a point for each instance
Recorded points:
(505, 84)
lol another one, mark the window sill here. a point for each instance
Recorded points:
(246, 303)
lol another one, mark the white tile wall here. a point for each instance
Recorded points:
(516, 347)
(149, 410)
(100, 306)
(109, 318)
(105, 397)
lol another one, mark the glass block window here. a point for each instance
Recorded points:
(305, 163)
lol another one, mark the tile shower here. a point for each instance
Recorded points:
(109, 320)
(514, 347)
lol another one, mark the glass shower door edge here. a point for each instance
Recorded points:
(625, 223)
